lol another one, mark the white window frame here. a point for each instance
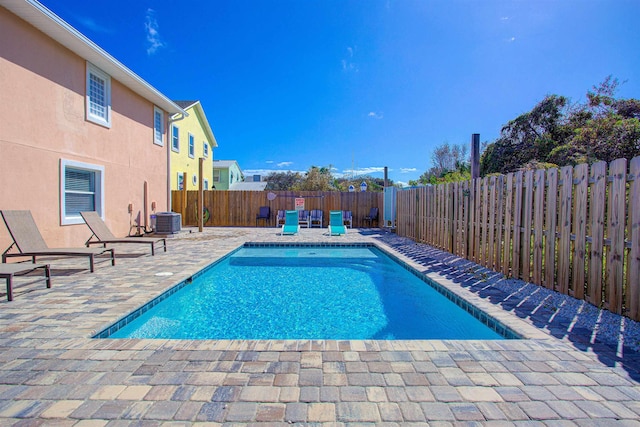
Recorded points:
(103, 120)
(175, 139)
(192, 146)
(216, 178)
(158, 132)
(205, 149)
(205, 184)
(194, 180)
(99, 190)
(181, 180)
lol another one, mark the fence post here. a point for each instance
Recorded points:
(475, 156)
(200, 195)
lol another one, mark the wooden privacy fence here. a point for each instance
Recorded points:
(575, 230)
(239, 208)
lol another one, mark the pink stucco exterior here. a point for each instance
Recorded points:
(42, 120)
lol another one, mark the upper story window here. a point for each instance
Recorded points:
(158, 126)
(98, 97)
(216, 175)
(205, 149)
(192, 146)
(175, 138)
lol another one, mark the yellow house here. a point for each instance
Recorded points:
(191, 138)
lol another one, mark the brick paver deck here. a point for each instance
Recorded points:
(53, 373)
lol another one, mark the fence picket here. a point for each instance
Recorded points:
(551, 225)
(579, 222)
(508, 215)
(564, 224)
(633, 269)
(499, 222)
(517, 231)
(598, 174)
(526, 225)
(538, 225)
(484, 246)
(616, 224)
(478, 210)
(491, 243)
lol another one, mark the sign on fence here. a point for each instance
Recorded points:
(299, 203)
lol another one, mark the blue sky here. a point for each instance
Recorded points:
(359, 85)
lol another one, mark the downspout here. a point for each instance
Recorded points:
(172, 119)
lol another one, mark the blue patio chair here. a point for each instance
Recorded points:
(315, 220)
(373, 216)
(280, 218)
(291, 225)
(303, 218)
(347, 218)
(336, 225)
(264, 214)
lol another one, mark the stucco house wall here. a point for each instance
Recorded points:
(43, 125)
(196, 125)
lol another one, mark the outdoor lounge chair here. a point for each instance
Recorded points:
(280, 218)
(315, 219)
(303, 218)
(7, 271)
(264, 213)
(347, 218)
(373, 216)
(104, 236)
(29, 242)
(336, 224)
(291, 225)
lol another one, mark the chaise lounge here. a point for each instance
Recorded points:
(291, 225)
(336, 224)
(7, 271)
(29, 242)
(104, 236)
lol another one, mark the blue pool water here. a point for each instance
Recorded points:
(306, 293)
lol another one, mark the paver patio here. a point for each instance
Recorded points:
(53, 373)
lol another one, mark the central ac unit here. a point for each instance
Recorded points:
(168, 222)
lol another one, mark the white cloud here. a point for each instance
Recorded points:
(269, 161)
(407, 170)
(153, 36)
(375, 115)
(347, 64)
(504, 18)
(511, 40)
(363, 171)
(265, 172)
(94, 26)
(284, 164)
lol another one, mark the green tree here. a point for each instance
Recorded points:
(316, 179)
(283, 181)
(612, 127)
(530, 136)
(445, 160)
(554, 133)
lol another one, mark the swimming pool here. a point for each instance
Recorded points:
(307, 292)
